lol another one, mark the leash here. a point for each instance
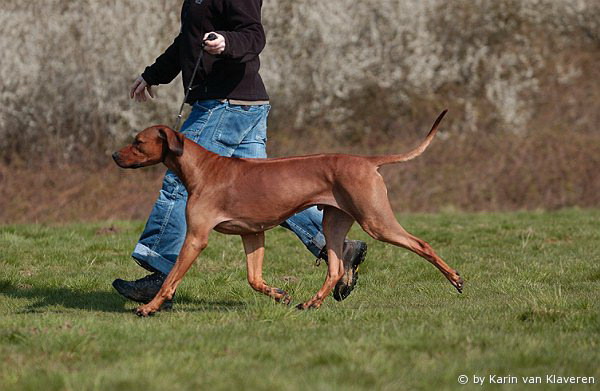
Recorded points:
(210, 37)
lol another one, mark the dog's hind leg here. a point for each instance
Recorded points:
(384, 227)
(254, 246)
(336, 225)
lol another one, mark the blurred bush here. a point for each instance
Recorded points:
(346, 76)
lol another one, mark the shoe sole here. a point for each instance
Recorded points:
(123, 292)
(167, 305)
(341, 290)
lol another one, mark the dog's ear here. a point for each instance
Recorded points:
(174, 139)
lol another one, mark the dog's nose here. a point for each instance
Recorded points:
(115, 156)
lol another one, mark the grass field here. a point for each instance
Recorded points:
(531, 307)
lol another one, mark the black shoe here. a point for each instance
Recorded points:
(354, 254)
(142, 290)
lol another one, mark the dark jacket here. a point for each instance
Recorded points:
(232, 74)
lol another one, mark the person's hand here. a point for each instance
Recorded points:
(138, 90)
(216, 46)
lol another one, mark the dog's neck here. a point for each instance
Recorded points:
(191, 165)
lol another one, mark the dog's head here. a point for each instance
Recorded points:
(150, 146)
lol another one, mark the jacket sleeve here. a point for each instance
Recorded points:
(166, 67)
(246, 39)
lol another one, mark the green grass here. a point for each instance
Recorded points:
(531, 306)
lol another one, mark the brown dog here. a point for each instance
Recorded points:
(249, 196)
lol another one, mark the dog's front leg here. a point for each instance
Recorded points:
(192, 247)
(254, 246)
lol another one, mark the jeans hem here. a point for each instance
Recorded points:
(143, 254)
(319, 241)
(314, 243)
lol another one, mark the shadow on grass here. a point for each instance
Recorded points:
(104, 301)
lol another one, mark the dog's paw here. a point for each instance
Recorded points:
(458, 283)
(309, 305)
(287, 299)
(281, 296)
(144, 311)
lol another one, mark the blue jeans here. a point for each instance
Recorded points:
(228, 130)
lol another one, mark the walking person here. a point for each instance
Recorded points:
(229, 113)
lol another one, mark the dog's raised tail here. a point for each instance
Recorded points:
(389, 159)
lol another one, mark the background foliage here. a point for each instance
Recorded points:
(520, 79)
